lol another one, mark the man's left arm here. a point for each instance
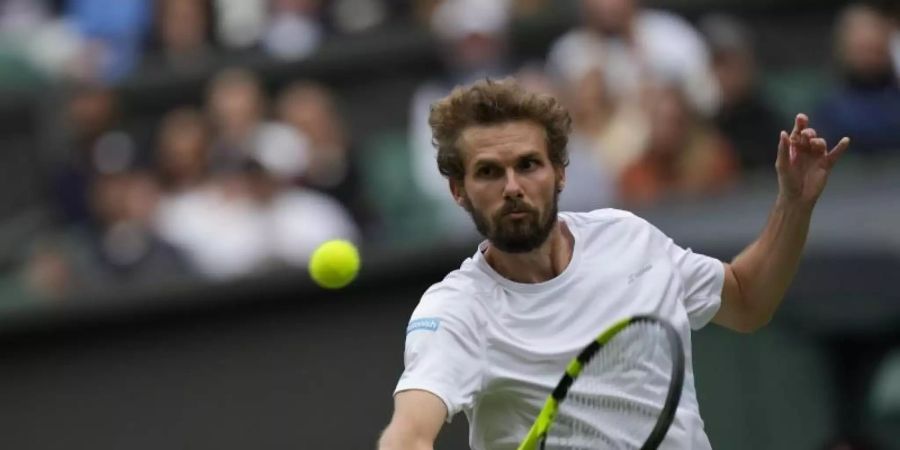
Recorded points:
(758, 278)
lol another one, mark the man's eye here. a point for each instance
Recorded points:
(528, 164)
(485, 171)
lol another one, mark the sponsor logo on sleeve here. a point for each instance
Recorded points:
(424, 324)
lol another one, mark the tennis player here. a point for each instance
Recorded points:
(492, 338)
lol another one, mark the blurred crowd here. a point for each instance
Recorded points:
(110, 39)
(663, 108)
(233, 188)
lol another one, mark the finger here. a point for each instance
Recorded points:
(818, 146)
(810, 133)
(800, 122)
(837, 151)
(803, 144)
(784, 145)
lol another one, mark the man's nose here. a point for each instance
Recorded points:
(512, 188)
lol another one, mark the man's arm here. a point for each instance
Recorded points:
(418, 417)
(757, 279)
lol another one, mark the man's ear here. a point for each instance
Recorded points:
(458, 190)
(561, 178)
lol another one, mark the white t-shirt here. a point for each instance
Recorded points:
(495, 349)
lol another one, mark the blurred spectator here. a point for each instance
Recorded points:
(866, 103)
(473, 39)
(217, 227)
(332, 166)
(588, 176)
(297, 220)
(48, 272)
(115, 30)
(684, 156)
(122, 246)
(18, 17)
(588, 184)
(51, 43)
(237, 108)
(115, 245)
(744, 117)
(423, 10)
(184, 35)
(294, 28)
(240, 23)
(895, 37)
(529, 8)
(636, 44)
(355, 16)
(249, 221)
(183, 151)
(20, 23)
(95, 145)
(614, 130)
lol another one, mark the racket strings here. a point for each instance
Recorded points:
(615, 401)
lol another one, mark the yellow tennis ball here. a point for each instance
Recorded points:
(334, 264)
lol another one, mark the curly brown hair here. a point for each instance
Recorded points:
(489, 102)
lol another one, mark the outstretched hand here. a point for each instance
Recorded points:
(804, 162)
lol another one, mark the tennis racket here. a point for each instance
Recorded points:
(620, 392)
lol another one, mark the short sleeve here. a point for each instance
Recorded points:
(443, 353)
(703, 278)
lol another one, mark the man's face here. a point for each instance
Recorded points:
(864, 45)
(510, 187)
(610, 17)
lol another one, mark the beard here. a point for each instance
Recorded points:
(516, 234)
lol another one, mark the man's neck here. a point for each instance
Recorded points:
(541, 264)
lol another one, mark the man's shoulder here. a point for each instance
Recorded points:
(457, 294)
(602, 216)
(466, 282)
(602, 226)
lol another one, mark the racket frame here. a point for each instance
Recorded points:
(538, 433)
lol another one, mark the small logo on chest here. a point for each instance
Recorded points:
(637, 274)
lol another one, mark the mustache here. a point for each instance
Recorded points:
(514, 206)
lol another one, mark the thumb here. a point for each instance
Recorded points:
(782, 161)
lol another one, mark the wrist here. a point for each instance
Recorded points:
(788, 203)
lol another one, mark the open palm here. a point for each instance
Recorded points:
(804, 162)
